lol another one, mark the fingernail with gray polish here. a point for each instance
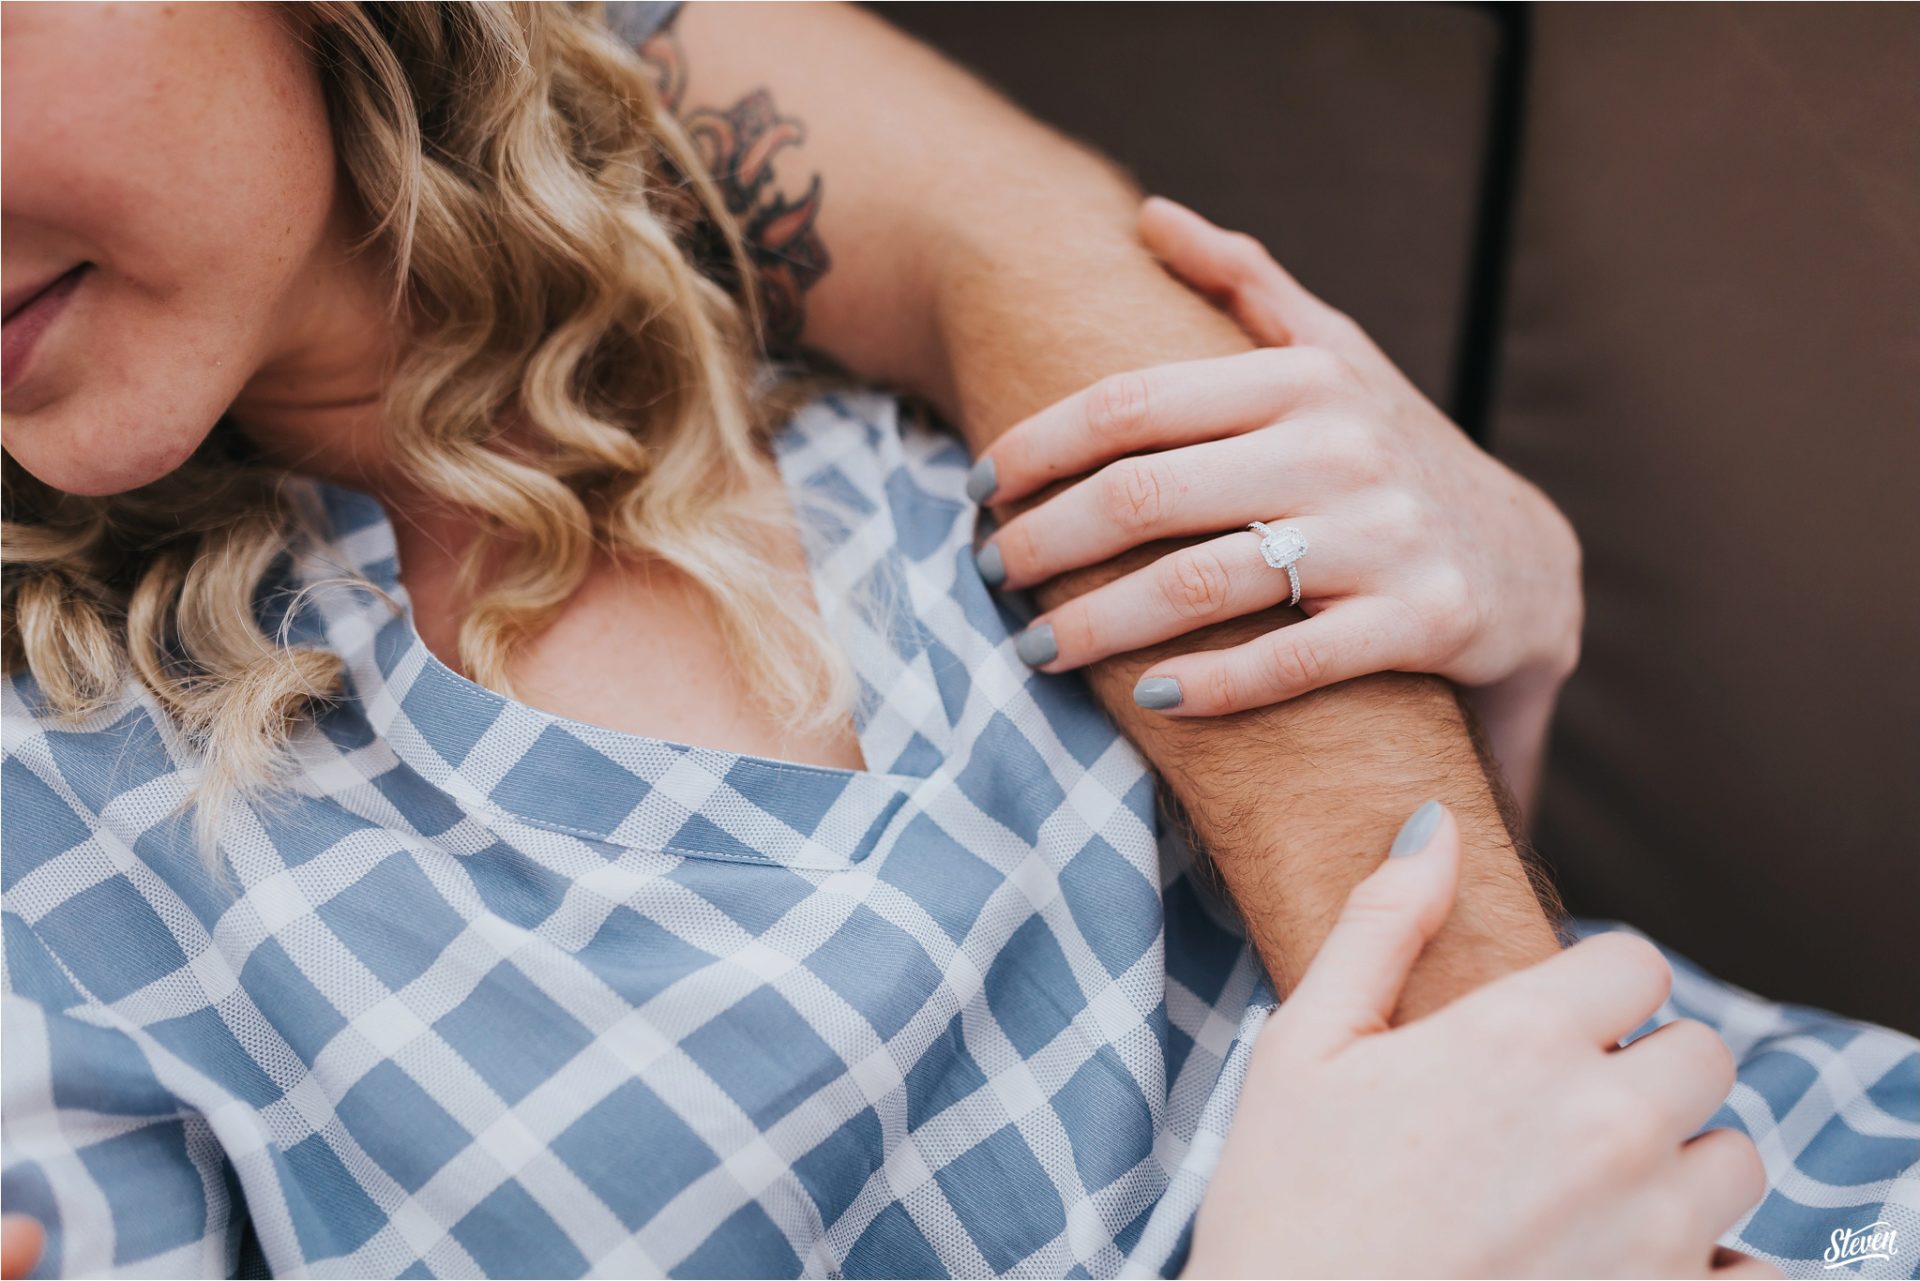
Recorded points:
(1157, 693)
(1036, 646)
(1417, 830)
(992, 568)
(981, 482)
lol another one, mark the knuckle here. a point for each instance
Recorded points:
(1725, 1068)
(1575, 546)
(1369, 462)
(1620, 1120)
(1379, 899)
(1401, 514)
(1630, 959)
(1334, 373)
(1450, 616)
(1196, 584)
(1670, 1220)
(1749, 1173)
(1275, 364)
(1708, 1054)
(1312, 365)
(1138, 492)
(1074, 630)
(1013, 456)
(1340, 325)
(1347, 376)
(1448, 636)
(1116, 408)
(1293, 666)
(1016, 544)
(1219, 689)
(1247, 256)
(1567, 657)
(1451, 588)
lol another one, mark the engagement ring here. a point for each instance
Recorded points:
(1282, 548)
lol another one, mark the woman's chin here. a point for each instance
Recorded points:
(65, 447)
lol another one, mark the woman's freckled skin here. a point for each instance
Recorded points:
(210, 259)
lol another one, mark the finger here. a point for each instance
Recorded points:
(1747, 1268)
(1723, 1178)
(1683, 1071)
(1600, 989)
(1231, 267)
(1732, 1263)
(1196, 489)
(1346, 640)
(1190, 588)
(1236, 270)
(1353, 985)
(21, 1240)
(1158, 408)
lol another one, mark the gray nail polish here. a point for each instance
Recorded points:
(1036, 646)
(992, 568)
(1417, 830)
(1158, 693)
(981, 481)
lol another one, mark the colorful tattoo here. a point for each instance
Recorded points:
(737, 145)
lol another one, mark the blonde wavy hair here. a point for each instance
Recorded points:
(535, 203)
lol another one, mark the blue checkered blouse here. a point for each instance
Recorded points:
(492, 992)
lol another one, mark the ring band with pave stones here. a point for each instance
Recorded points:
(1282, 548)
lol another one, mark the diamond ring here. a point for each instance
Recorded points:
(1282, 548)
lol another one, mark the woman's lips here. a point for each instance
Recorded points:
(29, 315)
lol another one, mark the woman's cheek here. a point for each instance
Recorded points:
(131, 387)
(184, 153)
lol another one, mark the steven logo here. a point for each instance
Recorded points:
(1857, 1245)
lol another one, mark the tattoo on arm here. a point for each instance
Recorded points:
(737, 145)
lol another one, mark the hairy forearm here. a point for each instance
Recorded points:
(986, 263)
(1297, 802)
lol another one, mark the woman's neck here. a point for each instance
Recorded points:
(316, 406)
(314, 403)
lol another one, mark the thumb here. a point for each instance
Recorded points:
(1353, 985)
(1236, 271)
(20, 1242)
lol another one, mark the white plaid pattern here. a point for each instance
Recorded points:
(497, 993)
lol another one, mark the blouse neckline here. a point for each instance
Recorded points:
(489, 752)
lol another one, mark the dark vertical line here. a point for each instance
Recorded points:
(1476, 367)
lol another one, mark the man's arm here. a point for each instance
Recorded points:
(926, 234)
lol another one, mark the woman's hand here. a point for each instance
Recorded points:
(1424, 554)
(1503, 1135)
(20, 1242)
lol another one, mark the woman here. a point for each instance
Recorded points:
(327, 953)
